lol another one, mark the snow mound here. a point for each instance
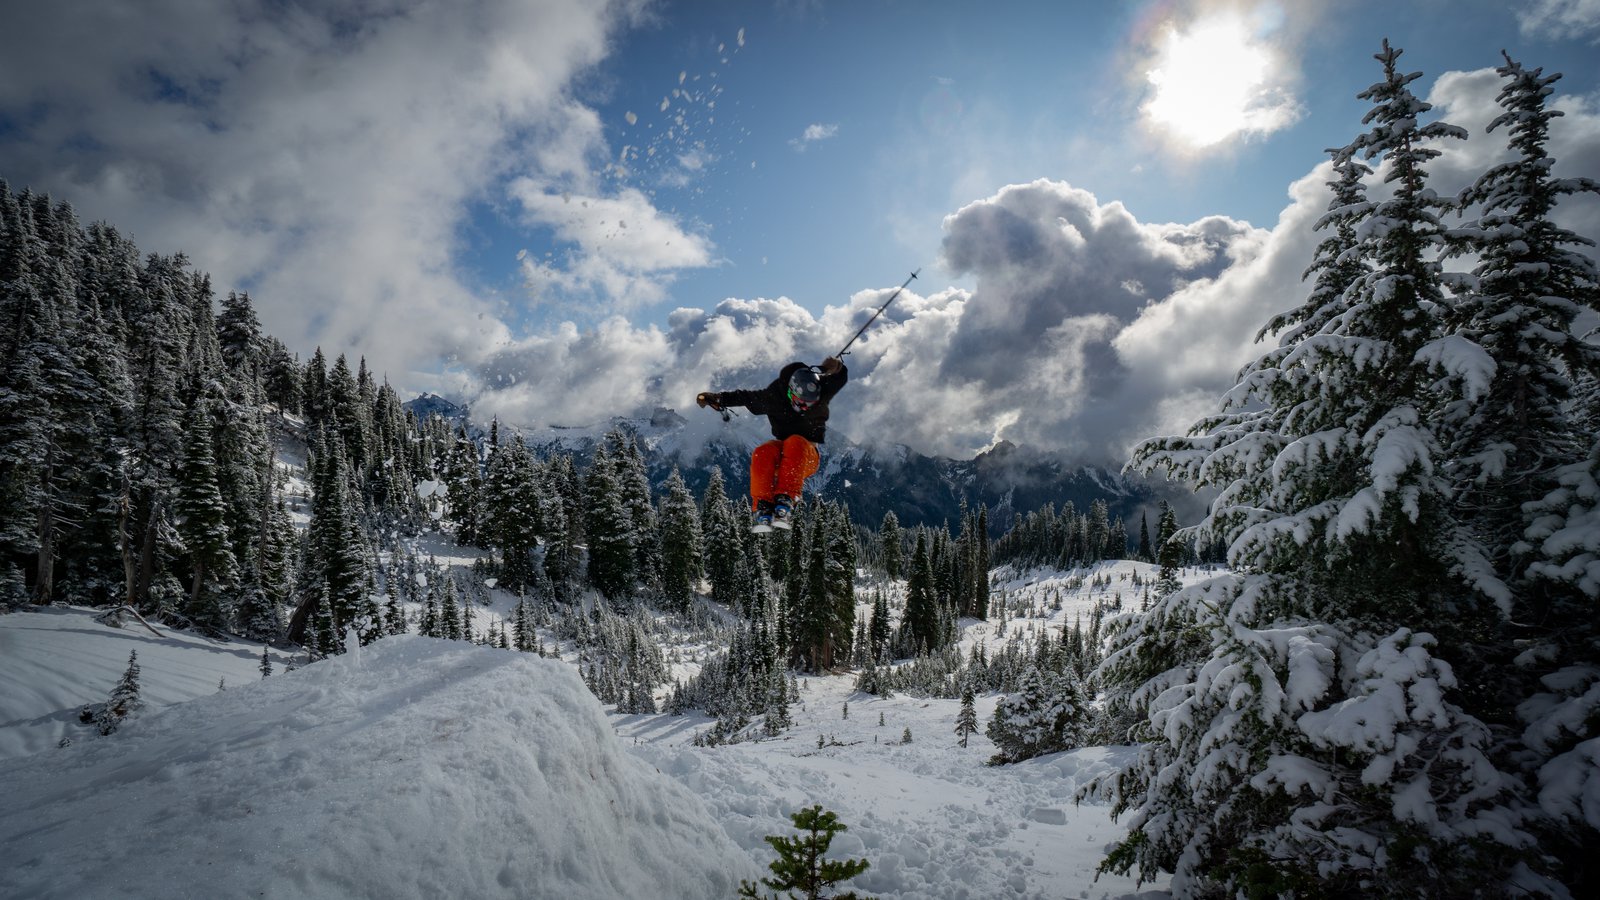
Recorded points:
(416, 768)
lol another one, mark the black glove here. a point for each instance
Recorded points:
(707, 398)
(832, 365)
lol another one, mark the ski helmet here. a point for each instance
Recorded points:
(804, 389)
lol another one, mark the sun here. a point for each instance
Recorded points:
(1213, 81)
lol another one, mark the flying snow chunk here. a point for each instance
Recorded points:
(741, 37)
(632, 119)
(665, 102)
(427, 768)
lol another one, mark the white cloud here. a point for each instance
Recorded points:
(322, 156)
(1561, 19)
(624, 249)
(812, 134)
(1086, 330)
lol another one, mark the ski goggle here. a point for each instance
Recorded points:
(799, 402)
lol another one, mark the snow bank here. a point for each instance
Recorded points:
(424, 768)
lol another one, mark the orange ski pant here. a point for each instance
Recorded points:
(782, 467)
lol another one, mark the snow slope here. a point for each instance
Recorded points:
(414, 768)
(55, 660)
(432, 767)
(930, 817)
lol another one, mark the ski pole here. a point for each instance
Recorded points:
(841, 353)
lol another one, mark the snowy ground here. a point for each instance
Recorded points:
(55, 660)
(356, 774)
(931, 818)
(414, 768)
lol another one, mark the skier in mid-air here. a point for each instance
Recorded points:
(796, 406)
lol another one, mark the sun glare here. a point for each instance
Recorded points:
(1211, 83)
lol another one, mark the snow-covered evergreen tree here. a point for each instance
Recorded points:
(124, 700)
(202, 523)
(890, 540)
(720, 525)
(921, 625)
(967, 718)
(680, 543)
(1523, 460)
(609, 527)
(1305, 734)
(511, 507)
(1046, 714)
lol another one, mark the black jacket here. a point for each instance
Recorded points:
(772, 401)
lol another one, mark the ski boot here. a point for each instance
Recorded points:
(763, 521)
(782, 512)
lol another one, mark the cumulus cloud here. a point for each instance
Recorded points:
(1085, 331)
(322, 156)
(1029, 355)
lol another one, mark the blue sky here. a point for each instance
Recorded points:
(929, 106)
(487, 198)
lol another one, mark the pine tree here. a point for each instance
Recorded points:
(266, 664)
(349, 417)
(1169, 552)
(464, 482)
(318, 404)
(281, 377)
(511, 504)
(812, 620)
(800, 866)
(839, 577)
(429, 625)
(777, 703)
(890, 540)
(967, 719)
(335, 547)
(124, 700)
(1524, 471)
(680, 544)
(239, 333)
(450, 613)
(1045, 715)
(608, 524)
(980, 600)
(721, 527)
(921, 623)
(879, 631)
(561, 511)
(1341, 538)
(202, 524)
